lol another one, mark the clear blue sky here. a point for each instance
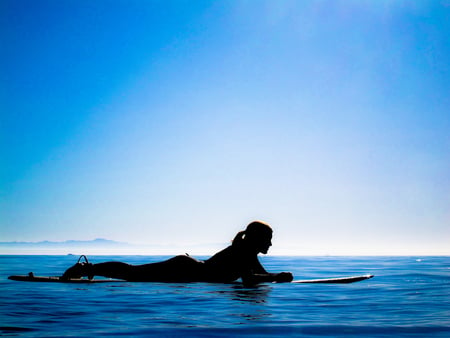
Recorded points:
(160, 122)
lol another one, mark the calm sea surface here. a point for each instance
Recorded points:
(409, 297)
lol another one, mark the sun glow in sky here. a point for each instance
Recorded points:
(178, 122)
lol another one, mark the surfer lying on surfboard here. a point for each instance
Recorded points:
(239, 260)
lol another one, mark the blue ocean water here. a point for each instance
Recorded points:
(408, 297)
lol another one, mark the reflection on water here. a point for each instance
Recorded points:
(257, 294)
(243, 305)
(247, 304)
(237, 292)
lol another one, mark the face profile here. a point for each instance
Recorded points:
(258, 235)
(265, 242)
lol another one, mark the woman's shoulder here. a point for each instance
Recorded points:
(228, 251)
(231, 252)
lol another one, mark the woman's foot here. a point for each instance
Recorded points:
(79, 270)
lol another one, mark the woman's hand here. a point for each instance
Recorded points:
(284, 277)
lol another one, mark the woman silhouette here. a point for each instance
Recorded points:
(239, 260)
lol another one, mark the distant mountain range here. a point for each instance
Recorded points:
(101, 246)
(95, 242)
(96, 246)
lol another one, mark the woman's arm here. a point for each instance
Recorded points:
(257, 274)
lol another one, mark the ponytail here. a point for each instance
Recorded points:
(239, 238)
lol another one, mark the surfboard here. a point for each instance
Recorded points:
(340, 280)
(31, 278)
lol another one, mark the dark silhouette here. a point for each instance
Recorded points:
(239, 260)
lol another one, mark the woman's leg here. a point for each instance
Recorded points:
(109, 269)
(117, 270)
(137, 273)
(176, 269)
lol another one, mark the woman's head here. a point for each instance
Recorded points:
(257, 235)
